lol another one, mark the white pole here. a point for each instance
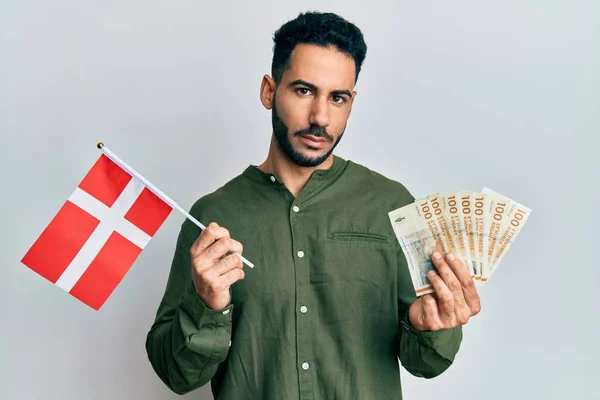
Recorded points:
(157, 192)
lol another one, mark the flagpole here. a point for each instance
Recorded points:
(157, 191)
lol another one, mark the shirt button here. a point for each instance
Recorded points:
(226, 312)
(272, 178)
(296, 208)
(303, 309)
(305, 366)
(300, 254)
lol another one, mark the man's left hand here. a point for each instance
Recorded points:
(455, 298)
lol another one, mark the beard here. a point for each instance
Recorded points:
(281, 133)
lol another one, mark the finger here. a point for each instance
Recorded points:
(211, 234)
(470, 295)
(445, 298)
(431, 318)
(460, 270)
(229, 278)
(447, 274)
(228, 263)
(221, 247)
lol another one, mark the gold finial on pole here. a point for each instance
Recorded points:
(100, 145)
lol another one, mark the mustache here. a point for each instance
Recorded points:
(316, 131)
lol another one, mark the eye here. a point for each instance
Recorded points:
(303, 91)
(338, 99)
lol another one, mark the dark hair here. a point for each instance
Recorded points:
(321, 29)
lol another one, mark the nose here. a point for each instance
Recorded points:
(319, 113)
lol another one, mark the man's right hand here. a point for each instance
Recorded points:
(213, 271)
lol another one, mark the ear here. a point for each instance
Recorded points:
(267, 91)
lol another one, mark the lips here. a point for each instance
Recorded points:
(315, 141)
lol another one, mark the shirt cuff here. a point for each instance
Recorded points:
(193, 305)
(445, 342)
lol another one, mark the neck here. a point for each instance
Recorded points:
(293, 176)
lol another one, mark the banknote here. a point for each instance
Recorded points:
(452, 209)
(498, 210)
(447, 239)
(419, 236)
(509, 230)
(481, 221)
(478, 227)
(466, 211)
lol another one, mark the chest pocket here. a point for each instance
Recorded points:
(358, 237)
(363, 258)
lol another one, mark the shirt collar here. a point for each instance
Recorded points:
(253, 173)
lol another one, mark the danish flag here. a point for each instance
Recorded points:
(98, 233)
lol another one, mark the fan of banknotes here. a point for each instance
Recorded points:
(477, 227)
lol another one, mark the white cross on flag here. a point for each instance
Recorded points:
(98, 233)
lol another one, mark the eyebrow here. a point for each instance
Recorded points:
(309, 85)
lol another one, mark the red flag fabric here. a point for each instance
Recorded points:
(98, 233)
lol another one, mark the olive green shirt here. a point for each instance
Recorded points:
(322, 315)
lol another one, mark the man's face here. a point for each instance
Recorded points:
(312, 103)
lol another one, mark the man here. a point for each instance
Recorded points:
(329, 308)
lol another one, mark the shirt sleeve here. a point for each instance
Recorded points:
(424, 354)
(427, 354)
(187, 340)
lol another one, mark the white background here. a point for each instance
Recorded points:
(460, 94)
